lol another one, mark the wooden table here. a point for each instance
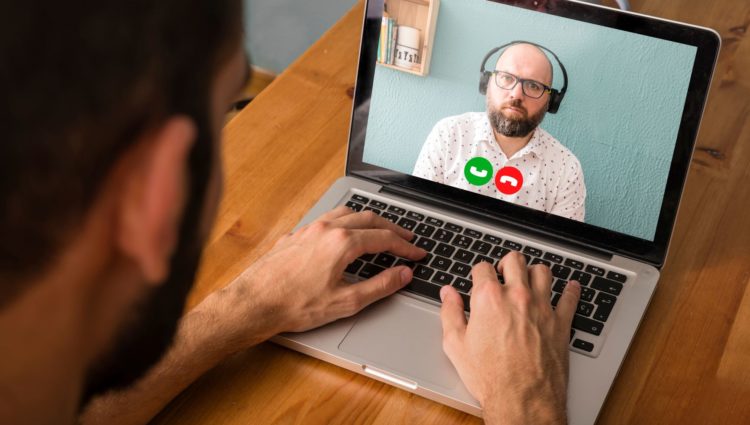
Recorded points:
(690, 361)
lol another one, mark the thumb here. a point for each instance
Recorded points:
(381, 285)
(453, 319)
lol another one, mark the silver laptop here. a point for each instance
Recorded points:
(593, 194)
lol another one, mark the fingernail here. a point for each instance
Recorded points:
(405, 276)
(442, 293)
(574, 284)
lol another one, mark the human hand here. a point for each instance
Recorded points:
(512, 355)
(301, 278)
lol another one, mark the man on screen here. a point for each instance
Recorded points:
(504, 153)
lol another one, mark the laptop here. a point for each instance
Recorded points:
(593, 195)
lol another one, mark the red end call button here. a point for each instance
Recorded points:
(508, 180)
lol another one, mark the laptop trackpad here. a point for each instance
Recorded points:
(403, 338)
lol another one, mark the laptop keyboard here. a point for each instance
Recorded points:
(453, 249)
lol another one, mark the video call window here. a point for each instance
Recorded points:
(574, 119)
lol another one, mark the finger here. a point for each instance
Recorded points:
(371, 241)
(340, 211)
(453, 319)
(540, 281)
(513, 269)
(370, 220)
(381, 285)
(568, 304)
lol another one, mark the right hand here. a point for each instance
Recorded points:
(512, 355)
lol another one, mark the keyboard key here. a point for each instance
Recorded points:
(424, 230)
(367, 257)
(379, 205)
(582, 277)
(540, 261)
(617, 277)
(584, 308)
(560, 272)
(499, 252)
(482, 258)
(607, 285)
(464, 256)
(354, 266)
(359, 198)
(408, 263)
(453, 227)
(461, 269)
(587, 325)
(415, 216)
(396, 210)
(426, 260)
(445, 250)
(555, 298)
(426, 244)
(553, 257)
(492, 239)
(481, 247)
(606, 303)
(595, 270)
(462, 285)
(559, 285)
(370, 270)
(443, 235)
(407, 223)
(513, 245)
(384, 260)
(462, 241)
(354, 206)
(527, 257)
(587, 294)
(532, 251)
(441, 263)
(583, 345)
(375, 210)
(423, 272)
(472, 233)
(574, 263)
(434, 221)
(442, 279)
(393, 218)
(426, 289)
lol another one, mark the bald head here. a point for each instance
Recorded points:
(527, 61)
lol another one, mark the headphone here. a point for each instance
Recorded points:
(556, 97)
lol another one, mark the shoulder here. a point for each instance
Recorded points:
(558, 150)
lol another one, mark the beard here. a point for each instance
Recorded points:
(511, 126)
(145, 337)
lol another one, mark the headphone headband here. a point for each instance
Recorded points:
(556, 96)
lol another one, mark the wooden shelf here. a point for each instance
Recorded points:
(419, 14)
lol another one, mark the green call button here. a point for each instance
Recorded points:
(478, 171)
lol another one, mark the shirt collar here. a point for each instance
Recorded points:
(535, 145)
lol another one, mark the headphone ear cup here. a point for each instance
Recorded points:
(484, 79)
(554, 101)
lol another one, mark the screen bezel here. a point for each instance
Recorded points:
(705, 40)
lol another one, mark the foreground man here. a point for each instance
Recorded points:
(111, 176)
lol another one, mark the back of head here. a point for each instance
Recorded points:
(81, 80)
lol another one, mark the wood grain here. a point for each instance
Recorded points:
(689, 361)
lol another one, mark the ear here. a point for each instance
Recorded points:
(153, 197)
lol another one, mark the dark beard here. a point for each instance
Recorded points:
(514, 127)
(142, 341)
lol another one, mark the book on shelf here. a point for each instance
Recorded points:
(387, 43)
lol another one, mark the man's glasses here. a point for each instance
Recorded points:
(531, 88)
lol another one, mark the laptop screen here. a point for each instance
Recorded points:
(554, 114)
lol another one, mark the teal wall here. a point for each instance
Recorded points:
(620, 116)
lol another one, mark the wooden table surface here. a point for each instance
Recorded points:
(690, 360)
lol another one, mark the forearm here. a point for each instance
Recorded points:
(508, 409)
(206, 335)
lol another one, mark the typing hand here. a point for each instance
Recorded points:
(302, 276)
(512, 355)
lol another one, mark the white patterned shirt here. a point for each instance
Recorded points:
(552, 175)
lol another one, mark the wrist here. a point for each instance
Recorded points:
(533, 408)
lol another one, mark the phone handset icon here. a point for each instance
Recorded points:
(509, 180)
(481, 174)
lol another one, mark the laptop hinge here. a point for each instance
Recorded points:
(409, 194)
